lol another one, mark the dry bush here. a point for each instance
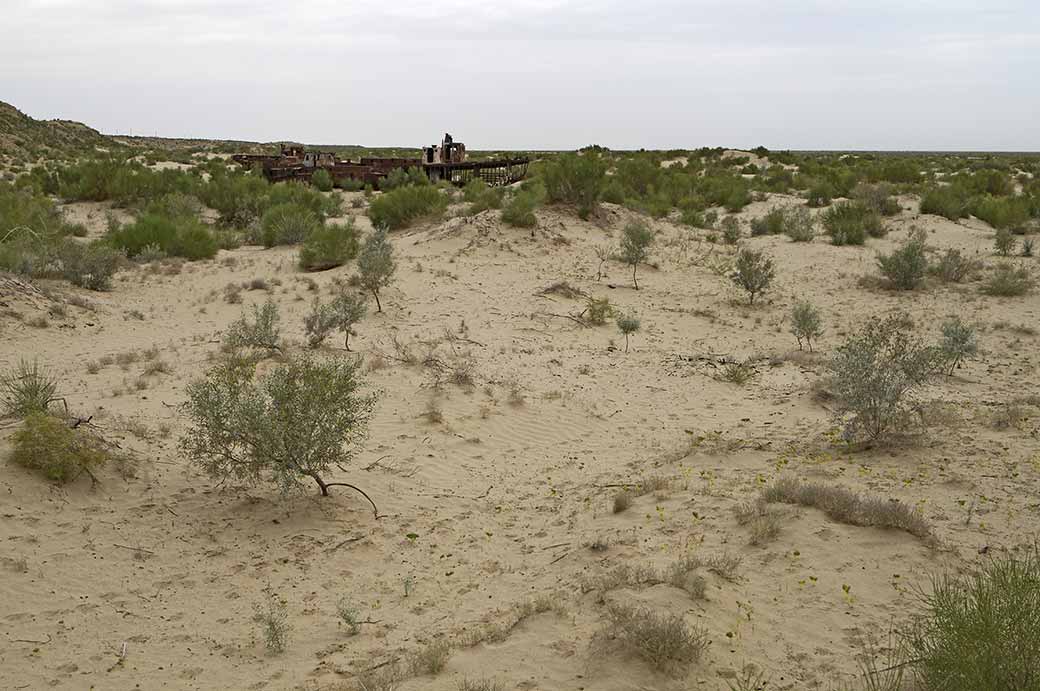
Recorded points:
(431, 659)
(664, 641)
(1007, 280)
(622, 501)
(954, 267)
(621, 576)
(846, 506)
(563, 289)
(468, 684)
(682, 574)
(763, 522)
(725, 565)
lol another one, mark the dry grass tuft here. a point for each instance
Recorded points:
(763, 521)
(664, 641)
(846, 506)
(430, 660)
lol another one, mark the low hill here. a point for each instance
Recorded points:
(23, 138)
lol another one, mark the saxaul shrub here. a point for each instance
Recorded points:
(329, 246)
(1004, 242)
(753, 271)
(376, 264)
(288, 224)
(49, 445)
(949, 202)
(634, 249)
(877, 197)
(959, 343)
(295, 424)
(1008, 280)
(953, 266)
(806, 323)
(519, 210)
(259, 333)
(905, 268)
(627, 324)
(576, 179)
(401, 207)
(341, 314)
(850, 223)
(322, 180)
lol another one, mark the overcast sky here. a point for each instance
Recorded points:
(536, 74)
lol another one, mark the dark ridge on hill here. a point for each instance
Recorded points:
(26, 139)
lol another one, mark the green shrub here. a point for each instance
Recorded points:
(634, 248)
(902, 170)
(953, 267)
(1007, 280)
(403, 177)
(329, 246)
(321, 205)
(176, 238)
(947, 202)
(627, 324)
(981, 630)
(402, 206)
(575, 179)
(753, 271)
(799, 224)
(1004, 242)
(240, 199)
(806, 324)
(770, 224)
(322, 180)
(598, 310)
(519, 210)
(298, 422)
(27, 390)
(820, 194)
(176, 206)
(958, 344)
(1002, 212)
(89, 266)
(287, 224)
(730, 228)
(376, 264)
(47, 444)
(877, 198)
(345, 310)
(481, 197)
(262, 333)
(849, 223)
(905, 268)
(874, 375)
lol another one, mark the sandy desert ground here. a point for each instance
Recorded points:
(497, 533)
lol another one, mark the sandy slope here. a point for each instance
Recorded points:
(506, 495)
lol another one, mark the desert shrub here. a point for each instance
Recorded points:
(770, 224)
(89, 266)
(663, 641)
(953, 266)
(481, 197)
(901, 170)
(176, 205)
(175, 237)
(273, 617)
(753, 271)
(47, 444)
(598, 310)
(845, 506)
(1004, 242)
(738, 372)
(431, 659)
(376, 265)
(300, 420)
(519, 210)
(345, 310)
(948, 202)
(398, 208)
(849, 223)
(26, 390)
(260, 333)
(403, 177)
(806, 324)
(240, 199)
(820, 194)
(575, 179)
(1027, 247)
(288, 224)
(981, 630)
(874, 375)
(321, 205)
(1007, 280)
(905, 268)
(730, 228)
(322, 180)
(1002, 212)
(799, 224)
(877, 197)
(634, 248)
(329, 246)
(959, 343)
(627, 325)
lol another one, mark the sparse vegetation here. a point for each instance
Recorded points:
(627, 325)
(345, 310)
(273, 617)
(26, 390)
(1008, 280)
(636, 239)
(959, 343)
(806, 323)
(905, 267)
(376, 264)
(753, 271)
(260, 333)
(49, 445)
(850, 223)
(663, 641)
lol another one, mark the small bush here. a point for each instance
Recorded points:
(806, 324)
(636, 239)
(252, 430)
(959, 343)
(288, 224)
(1004, 242)
(754, 272)
(770, 224)
(432, 659)
(519, 210)
(947, 202)
(88, 266)
(627, 325)
(738, 373)
(953, 267)
(1007, 280)
(874, 374)
(329, 246)
(982, 630)
(1003, 213)
(576, 179)
(322, 180)
(663, 641)
(730, 228)
(799, 224)
(876, 197)
(399, 208)
(376, 264)
(27, 390)
(849, 223)
(49, 445)
(341, 314)
(820, 194)
(598, 311)
(261, 333)
(174, 237)
(622, 501)
(905, 268)
(273, 617)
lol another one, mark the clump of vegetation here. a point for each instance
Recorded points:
(959, 343)
(806, 323)
(664, 641)
(770, 224)
(401, 207)
(739, 372)
(481, 197)
(845, 506)
(636, 239)
(627, 325)
(348, 616)
(874, 374)
(322, 180)
(431, 659)
(730, 228)
(753, 271)
(329, 246)
(519, 210)
(980, 631)
(295, 423)
(598, 311)
(27, 390)
(799, 224)
(345, 310)
(577, 179)
(48, 444)
(953, 266)
(877, 197)
(273, 617)
(1004, 242)
(850, 223)
(288, 224)
(89, 266)
(260, 333)
(1007, 280)
(174, 237)
(905, 268)
(376, 264)
(948, 202)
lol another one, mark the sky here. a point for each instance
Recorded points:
(536, 74)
